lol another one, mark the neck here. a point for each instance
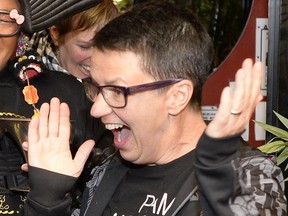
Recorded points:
(185, 132)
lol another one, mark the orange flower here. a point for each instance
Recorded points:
(30, 94)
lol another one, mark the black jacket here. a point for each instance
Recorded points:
(49, 84)
(214, 189)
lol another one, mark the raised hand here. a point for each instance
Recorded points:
(48, 141)
(236, 107)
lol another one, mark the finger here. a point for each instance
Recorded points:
(53, 125)
(25, 146)
(257, 75)
(82, 155)
(222, 116)
(33, 138)
(225, 102)
(257, 81)
(247, 67)
(24, 167)
(238, 95)
(33, 130)
(65, 126)
(253, 75)
(43, 120)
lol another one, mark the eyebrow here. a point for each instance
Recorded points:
(85, 41)
(112, 82)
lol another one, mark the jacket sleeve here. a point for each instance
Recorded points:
(230, 184)
(49, 193)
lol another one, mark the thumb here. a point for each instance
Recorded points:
(83, 153)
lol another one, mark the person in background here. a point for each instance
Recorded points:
(67, 45)
(148, 68)
(21, 70)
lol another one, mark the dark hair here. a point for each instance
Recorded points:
(169, 40)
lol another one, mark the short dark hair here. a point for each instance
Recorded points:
(170, 41)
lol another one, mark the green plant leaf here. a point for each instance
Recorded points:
(275, 139)
(282, 156)
(282, 134)
(282, 119)
(277, 144)
(272, 147)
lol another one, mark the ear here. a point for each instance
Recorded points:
(180, 96)
(53, 31)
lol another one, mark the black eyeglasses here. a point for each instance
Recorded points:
(116, 96)
(8, 26)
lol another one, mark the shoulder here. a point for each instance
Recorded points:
(252, 158)
(59, 77)
(246, 150)
(261, 181)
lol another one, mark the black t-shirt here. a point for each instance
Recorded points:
(150, 190)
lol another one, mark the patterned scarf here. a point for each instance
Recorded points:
(41, 42)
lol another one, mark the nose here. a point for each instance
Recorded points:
(100, 108)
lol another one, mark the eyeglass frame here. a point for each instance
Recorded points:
(128, 90)
(18, 29)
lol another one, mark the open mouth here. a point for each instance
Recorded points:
(120, 132)
(86, 69)
(30, 71)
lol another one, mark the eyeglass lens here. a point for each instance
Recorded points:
(91, 90)
(113, 96)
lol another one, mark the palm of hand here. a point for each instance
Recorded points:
(242, 100)
(49, 141)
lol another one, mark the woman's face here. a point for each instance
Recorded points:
(8, 44)
(75, 50)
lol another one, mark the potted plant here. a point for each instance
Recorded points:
(278, 145)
